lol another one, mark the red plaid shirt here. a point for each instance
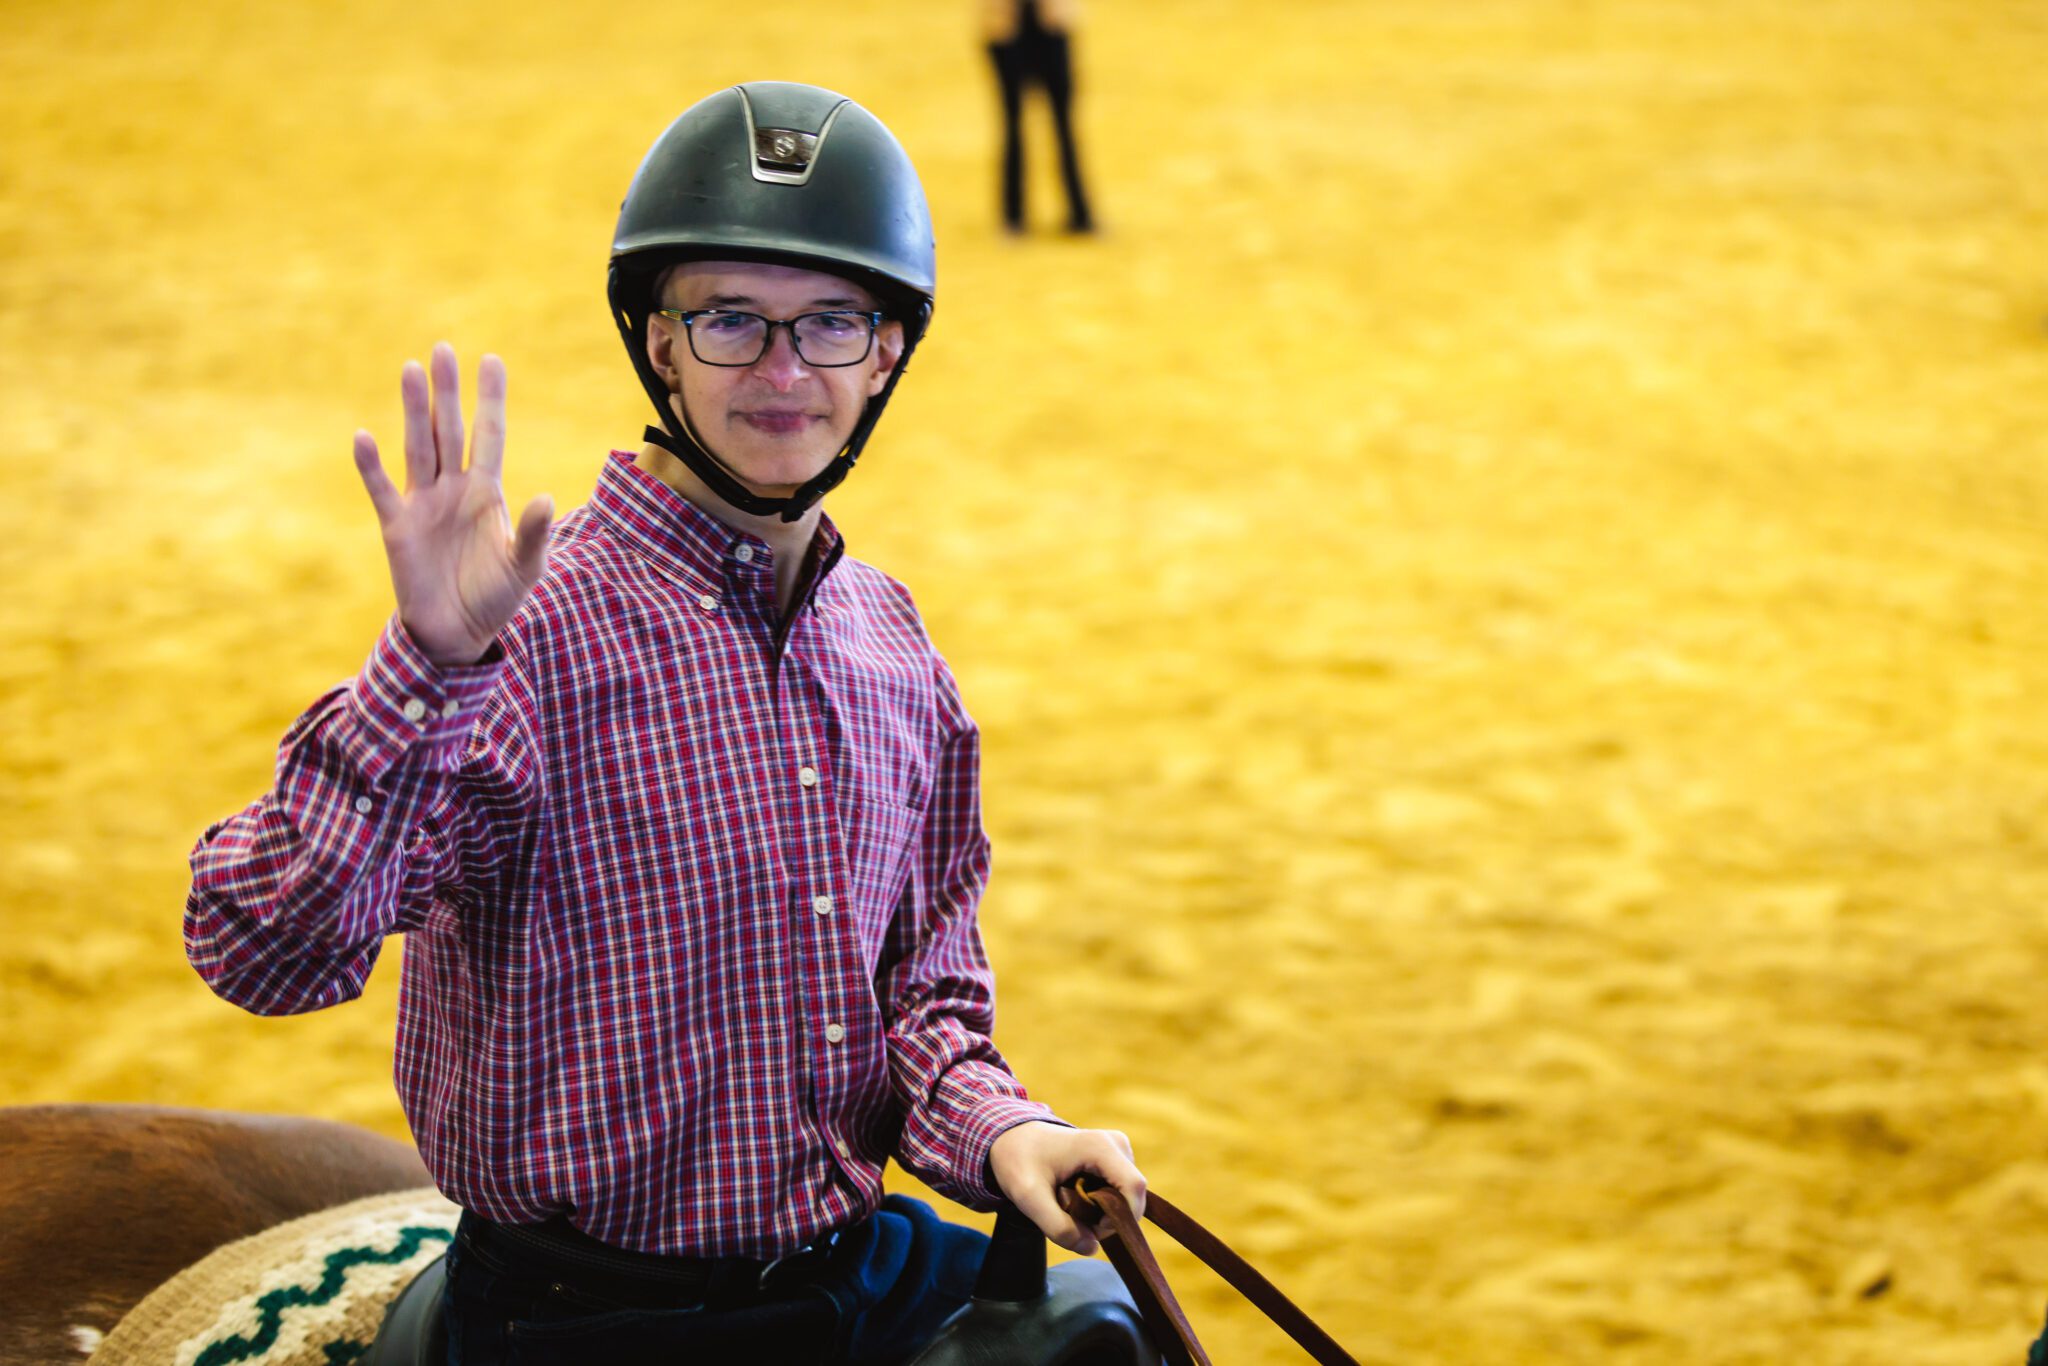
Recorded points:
(689, 904)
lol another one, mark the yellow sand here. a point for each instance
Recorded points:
(1505, 594)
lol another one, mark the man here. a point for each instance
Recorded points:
(679, 809)
(1030, 43)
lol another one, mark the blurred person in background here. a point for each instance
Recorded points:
(1030, 42)
(679, 808)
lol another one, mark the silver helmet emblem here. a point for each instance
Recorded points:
(786, 151)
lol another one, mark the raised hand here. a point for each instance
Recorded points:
(457, 566)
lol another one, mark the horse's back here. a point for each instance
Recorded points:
(100, 1204)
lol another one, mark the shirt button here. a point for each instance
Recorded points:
(363, 805)
(743, 552)
(834, 1033)
(822, 904)
(840, 1144)
(807, 775)
(414, 709)
(708, 603)
(450, 707)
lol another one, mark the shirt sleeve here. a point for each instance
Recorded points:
(373, 813)
(956, 1091)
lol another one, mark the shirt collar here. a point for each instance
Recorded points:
(676, 534)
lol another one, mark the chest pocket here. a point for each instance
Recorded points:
(882, 843)
(881, 743)
(879, 714)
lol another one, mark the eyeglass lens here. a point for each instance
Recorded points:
(726, 337)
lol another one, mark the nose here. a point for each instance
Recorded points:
(780, 365)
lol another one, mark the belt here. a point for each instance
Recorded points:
(644, 1279)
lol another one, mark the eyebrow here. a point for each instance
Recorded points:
(749, 301)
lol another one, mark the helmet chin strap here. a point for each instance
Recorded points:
(685, 446)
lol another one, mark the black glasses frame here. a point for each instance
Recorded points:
(688, 318)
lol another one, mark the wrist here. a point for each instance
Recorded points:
(460, 655)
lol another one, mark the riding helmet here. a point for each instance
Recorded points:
(782, 173)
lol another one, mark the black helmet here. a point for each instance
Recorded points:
(783, 173)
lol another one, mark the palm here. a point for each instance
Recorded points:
(457, 568)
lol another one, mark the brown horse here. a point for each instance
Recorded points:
(100, 1204)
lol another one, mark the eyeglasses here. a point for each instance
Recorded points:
(725, 336)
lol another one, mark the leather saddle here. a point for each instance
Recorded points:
(1076, 1314)
(1081, 1313)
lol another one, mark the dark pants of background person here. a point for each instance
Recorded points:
(1038, 56)
(877, 1293)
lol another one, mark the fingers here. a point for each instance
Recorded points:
(419, 430)
(487, 438)
(1035, 1163)
(1040, 1206)
(1122, 1173)
(530, 544)
(447, 382)
(1105, 1154)
(384, 496)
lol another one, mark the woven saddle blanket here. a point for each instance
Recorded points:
(308, 1293)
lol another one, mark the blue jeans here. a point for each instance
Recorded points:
(877, 1297)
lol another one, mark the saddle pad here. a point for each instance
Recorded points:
(311, 1292)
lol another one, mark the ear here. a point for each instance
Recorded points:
(888, 353)
(661, 348)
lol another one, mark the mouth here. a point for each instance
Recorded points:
(778, 422)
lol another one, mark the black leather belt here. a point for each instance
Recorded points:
(641, 1279)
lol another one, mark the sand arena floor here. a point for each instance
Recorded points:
(1505, 595)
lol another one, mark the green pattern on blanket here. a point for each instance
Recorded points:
(273, 1304)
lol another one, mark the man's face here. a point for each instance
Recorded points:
(778, 422)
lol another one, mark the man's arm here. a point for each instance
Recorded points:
(291, 898)
(969, 1128)
(369, 816)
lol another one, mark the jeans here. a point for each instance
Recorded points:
(1038, 57)
(880, 1294)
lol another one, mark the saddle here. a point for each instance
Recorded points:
(1075, 1314)
(309, 1291)
(1080, 1313)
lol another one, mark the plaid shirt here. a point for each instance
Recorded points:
(689, 901)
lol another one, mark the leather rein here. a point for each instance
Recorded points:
(1123, 1240)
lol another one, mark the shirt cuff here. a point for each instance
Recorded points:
(991, 1120)
(404, 702)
